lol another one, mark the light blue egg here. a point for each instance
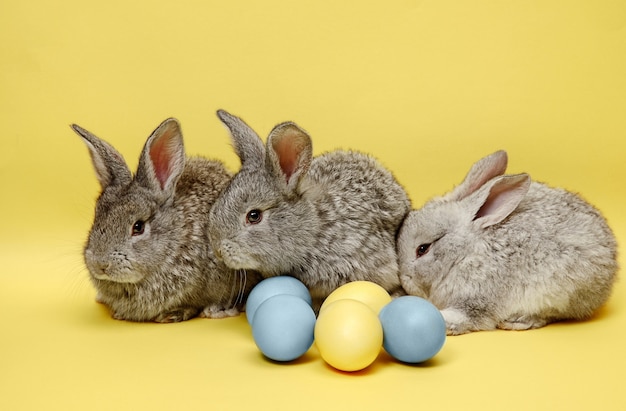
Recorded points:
(283, 326)
(275, 286)
(413, 329)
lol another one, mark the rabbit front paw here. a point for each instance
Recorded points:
(218, 311)
(522, 322)
(175, 316)
(457, 322)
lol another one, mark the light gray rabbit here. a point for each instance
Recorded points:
(148, 253)
(326, 220)
(500, 251)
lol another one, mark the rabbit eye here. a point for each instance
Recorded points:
(254, 216)
(422, 249)
(138, 227)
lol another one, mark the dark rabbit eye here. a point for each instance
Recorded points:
(254, 216)
(138, 227)
(422, 249)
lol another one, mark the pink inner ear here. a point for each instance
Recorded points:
(496, 200)
(161, 154)
(288, 155)
(504, 197)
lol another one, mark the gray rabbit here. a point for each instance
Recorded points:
(500, 251)
(326, 220)
(148, 253)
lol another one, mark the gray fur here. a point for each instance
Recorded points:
(169, 273)
(508, 253)
(326, 220)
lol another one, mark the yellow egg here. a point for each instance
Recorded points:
(348, 335)
(369, 293)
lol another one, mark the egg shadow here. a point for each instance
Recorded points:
(369, 370)
(307, 358)
(386, 359)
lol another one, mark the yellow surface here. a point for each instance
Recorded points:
(427, 86)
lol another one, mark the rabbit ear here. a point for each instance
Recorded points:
(163, 158)
(247, 143)
(498, 198)
(108, 163)
(482, 171)
(289, 154)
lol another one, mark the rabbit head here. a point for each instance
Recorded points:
(253, 229)
(447, 229)
(131, 224)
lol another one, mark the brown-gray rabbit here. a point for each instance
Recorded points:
(326, 220)
(500, 251)
(148, 253)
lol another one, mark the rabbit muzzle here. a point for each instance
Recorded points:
(228, 251)
(117, 276)
(114, 268)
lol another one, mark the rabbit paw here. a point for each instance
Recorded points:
(175, 316)
(523, 322)
(457, 322)
(217, 311)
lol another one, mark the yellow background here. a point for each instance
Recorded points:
(427, 86)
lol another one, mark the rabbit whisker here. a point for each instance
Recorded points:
(242, 288)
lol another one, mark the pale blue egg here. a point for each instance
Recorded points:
(413, 329)
(275, 286)
(283, 326)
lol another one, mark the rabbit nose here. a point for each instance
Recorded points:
(105, 267)
(100, 270)
(218, 252)
(96, 265)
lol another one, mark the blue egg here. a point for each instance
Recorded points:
(413, 329)
(283, 327)
(274, 286)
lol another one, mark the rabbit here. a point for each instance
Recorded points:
(148, 253)
(502, 251)
(326, 220)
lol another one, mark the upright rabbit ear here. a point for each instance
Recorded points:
(110, 167)
(482, 171)
(162, 160)
(497, 199)
(247, 143)
(289, 154)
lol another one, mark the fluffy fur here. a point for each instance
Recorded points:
(500, 251)
(326, 220)
(148, 252)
